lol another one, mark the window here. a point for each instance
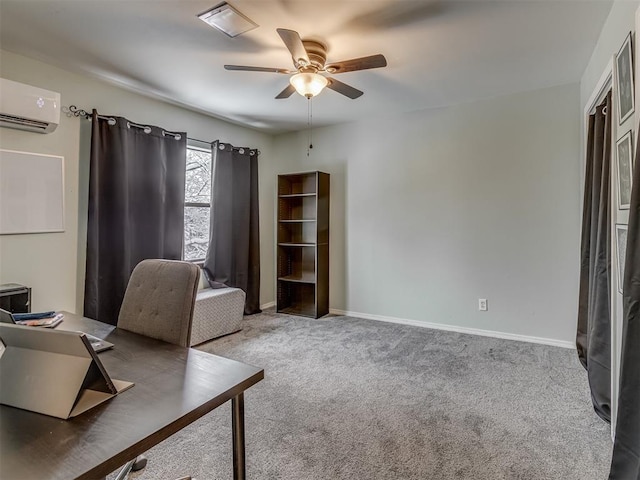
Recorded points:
(197, 204)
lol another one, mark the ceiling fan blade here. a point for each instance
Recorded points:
(286, 93)
(294, 43)
(344, 89)
(363, 63)
(245, 68)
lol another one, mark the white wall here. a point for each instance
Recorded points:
(53, 264)
(434, 209)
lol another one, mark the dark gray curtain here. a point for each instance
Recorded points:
(233, 257)
(136, 207)
(626, 451)
(593, 338)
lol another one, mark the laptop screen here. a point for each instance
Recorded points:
(54, 372)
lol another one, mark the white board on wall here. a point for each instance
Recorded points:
(31, 193)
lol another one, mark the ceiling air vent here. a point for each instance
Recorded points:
(227, 19)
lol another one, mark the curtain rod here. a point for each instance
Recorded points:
(201, 141)
(73, 111)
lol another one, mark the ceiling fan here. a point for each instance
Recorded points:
(309, 59)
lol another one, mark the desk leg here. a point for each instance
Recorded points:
(237, 425)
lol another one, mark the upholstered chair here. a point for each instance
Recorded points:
(159, 303)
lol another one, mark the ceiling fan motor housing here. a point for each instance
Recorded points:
(317, 53)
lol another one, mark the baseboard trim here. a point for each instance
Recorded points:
(267, 305)
(452, 328)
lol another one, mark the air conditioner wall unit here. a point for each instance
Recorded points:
(28, 108)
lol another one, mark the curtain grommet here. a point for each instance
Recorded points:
(176, 136)
(145, 128)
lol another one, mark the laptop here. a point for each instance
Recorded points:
(55, 372)
(97, 344)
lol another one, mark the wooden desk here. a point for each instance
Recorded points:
(174, 386)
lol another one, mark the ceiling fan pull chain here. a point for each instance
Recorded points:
(310, 123)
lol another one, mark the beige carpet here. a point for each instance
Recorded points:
(345, 398)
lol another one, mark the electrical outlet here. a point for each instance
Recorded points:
(482, 304)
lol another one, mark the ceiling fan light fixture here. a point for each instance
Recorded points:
(227, 19)
(308, 84)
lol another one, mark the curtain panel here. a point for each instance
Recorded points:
(593, 339)
(233, 257)
(625, 464)
(136, 207)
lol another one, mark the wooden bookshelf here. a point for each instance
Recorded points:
(303, 244)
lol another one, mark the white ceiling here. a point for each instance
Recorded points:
(438, 52)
